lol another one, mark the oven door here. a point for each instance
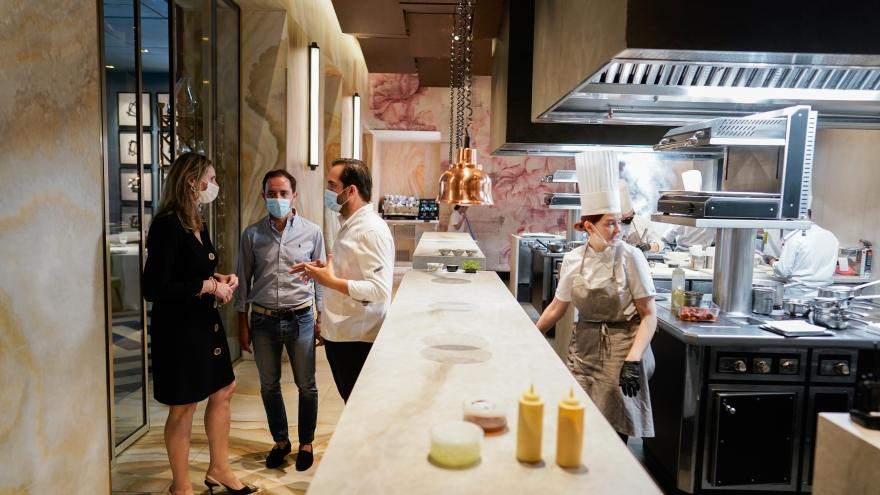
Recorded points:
(820, 399)
(752, 437)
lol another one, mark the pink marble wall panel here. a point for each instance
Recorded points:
(397, 102)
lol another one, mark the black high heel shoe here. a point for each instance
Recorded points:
(211, 483)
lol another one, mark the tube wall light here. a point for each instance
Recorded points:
(314, 103)
(356, 126)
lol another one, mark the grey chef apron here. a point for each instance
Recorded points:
(599, 345)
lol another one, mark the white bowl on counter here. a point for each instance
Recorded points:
(434, 267)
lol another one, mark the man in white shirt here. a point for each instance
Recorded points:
(458, 219)
(636, 230)
(681, 238)
(359, 273)
(807, 260)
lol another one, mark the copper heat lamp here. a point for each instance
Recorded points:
(465, 182)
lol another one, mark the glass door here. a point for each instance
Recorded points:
(179, 60)
(206, 68)
(136, 102)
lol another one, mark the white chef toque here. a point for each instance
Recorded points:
(598, 177)
(692, 180)
(626, 205)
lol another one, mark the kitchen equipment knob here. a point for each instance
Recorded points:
(786, 364)
(730, 409)
(739, 366)
(762, 366)
(842, 368)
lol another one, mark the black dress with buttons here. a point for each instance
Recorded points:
(189, 349)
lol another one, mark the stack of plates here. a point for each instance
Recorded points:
(796, 328)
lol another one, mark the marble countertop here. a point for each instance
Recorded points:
(847, 455)
(447, 338)
(428, 249)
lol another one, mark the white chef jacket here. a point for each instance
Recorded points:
(454, 219)
(681, 238)
(641, 224)
(363, 253)
(598, 270)
(808, 257)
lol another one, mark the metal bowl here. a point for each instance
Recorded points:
(458, 252)
(470, 252)
(555, 247)
(796, 307)
(445, 252)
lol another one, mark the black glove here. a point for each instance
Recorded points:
(768, 259)
(645, 246)
(630, 373)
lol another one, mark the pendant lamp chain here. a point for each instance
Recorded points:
(460, 53)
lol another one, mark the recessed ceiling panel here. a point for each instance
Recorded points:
(388, 55)
(370, 17)
(430, 35)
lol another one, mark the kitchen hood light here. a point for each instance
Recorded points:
(465, 182)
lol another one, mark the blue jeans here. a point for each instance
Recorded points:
(297, 334)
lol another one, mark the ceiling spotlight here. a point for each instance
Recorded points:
(144, 50)
(109, 66)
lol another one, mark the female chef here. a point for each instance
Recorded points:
(610, 285)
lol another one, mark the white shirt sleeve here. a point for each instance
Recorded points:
(570, 265)
(789, 256)
(377, 275)
(638, 275)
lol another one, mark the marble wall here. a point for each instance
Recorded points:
(53, 426)
(846, 183)
(398, 103)
(263, 100)
(287, 144)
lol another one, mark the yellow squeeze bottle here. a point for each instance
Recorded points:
(529, 427)
(570, 432)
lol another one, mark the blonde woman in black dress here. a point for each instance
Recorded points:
(190, 355)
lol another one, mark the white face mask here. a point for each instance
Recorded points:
(209, 194)
(608, 243)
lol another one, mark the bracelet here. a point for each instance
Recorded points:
(214, 287)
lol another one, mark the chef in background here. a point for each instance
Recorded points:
(807, 260)
(610, 284)
(681, 237)
(637, 230)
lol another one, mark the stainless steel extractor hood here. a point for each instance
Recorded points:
(681, 61)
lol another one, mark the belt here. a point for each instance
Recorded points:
(280, 313)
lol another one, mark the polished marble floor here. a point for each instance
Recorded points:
(143, 468)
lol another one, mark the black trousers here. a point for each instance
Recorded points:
(346, 360)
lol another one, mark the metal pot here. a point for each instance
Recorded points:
(556, 246)
(572, 245)
(693, 299)
(847, 292)
(796, 307)
(829, 318)
(762, 300)
(778, 289)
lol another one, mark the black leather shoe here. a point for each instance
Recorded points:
(277, 455)
(304, 459)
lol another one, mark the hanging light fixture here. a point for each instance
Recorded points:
(464, 182)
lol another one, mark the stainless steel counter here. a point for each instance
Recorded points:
(729, 332)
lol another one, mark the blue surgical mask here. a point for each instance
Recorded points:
(331, 201)
(278, 208)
